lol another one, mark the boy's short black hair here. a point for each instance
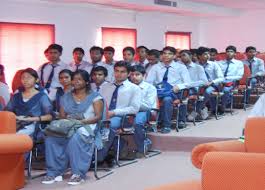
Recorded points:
(194, 51)
(56, 47)
(123, 64)
(170, 48)
(110, 49)
(100, 68)
(130, 49)
(143, 47)
(202, 50)
(79, 49)
(138, 68)
(154, 52)
(213, 50)
(250, 48)
(96, 48)
(186, 51)
(233, 48)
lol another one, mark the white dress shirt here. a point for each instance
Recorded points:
(128, 99)
(178, 75)
(144, 63)
(214, 72)
(83, 65)
(257, 66)
(235, 71)
(197, 74)
(149, 96)
(95, 88)
(47, 71)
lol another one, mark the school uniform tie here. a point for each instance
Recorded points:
(250, 64)
(227, 68)
(165, 77)
(113, 102)
(98, 88)
(77, 67)
(49, 81)
(147, 65)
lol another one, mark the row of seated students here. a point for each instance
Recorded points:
(129, 90)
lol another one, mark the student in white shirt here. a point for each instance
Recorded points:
(198, 78)
(214, 76)
(96, 55)
(170, 74)
(148, 101)
(256, 67)
(122, 97)
(153, 58)
(98, 75)
(128, 55)
(233, 70)
(78, 63)
(49, 72)
(142, 53)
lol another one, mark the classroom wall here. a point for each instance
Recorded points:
(241, 31)
(80, 24)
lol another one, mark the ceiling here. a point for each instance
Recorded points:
(202, 8)
(236, 4)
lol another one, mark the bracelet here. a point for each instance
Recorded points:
(39, 118)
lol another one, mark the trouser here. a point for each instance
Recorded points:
(167, 111)
(246, 97)
(139, 135)
(60, 152)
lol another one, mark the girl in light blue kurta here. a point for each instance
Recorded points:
(87, 106)
(30, 105)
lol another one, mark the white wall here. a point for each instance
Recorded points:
(241, 31)
(79, 25)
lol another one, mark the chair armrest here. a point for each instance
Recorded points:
(199, 151)
(235, 171)
(15, 143)
(186, 185)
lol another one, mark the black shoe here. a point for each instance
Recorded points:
(165, 130)
(181, 125)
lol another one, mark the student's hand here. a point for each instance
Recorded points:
(111, 114)
(176, 89)
(27, 119)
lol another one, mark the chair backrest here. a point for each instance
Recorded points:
(233, 171)
(16, 82)
(7, 122)
(261, 56)
(240, 56)
(255, 135)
